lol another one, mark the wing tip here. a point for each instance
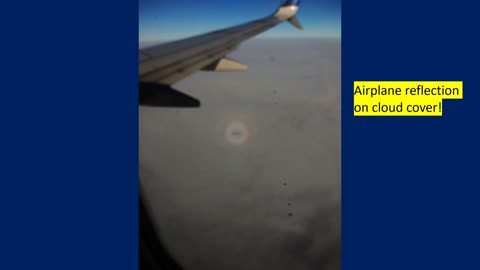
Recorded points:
(295, 22)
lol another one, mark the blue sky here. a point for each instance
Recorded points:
(174, 19)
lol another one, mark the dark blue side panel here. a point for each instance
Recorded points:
(410, 184)
(68, 110)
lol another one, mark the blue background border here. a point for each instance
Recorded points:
(70, 129)
(410, 184)
(69, 137)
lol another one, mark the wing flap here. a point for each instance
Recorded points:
(159, 95)
(225, 64)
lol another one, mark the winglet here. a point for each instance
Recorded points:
(287, 3)
(293, 20)
(287, 10)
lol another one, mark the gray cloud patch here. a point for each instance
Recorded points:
(269, 199)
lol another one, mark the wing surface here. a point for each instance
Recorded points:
(167, 63)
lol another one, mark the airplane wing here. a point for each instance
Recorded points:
(165, 64)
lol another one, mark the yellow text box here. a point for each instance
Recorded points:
(403, 98)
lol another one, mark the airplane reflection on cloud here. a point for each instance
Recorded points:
(236, 133)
